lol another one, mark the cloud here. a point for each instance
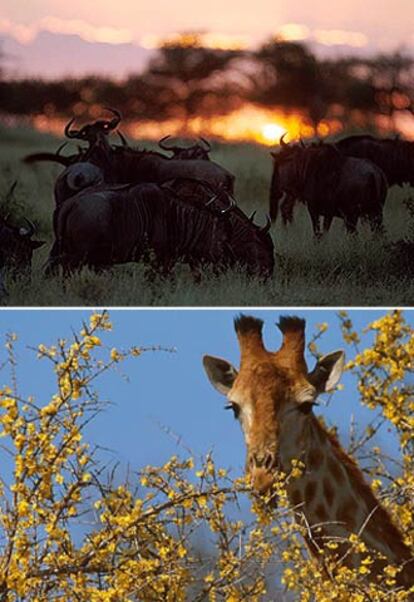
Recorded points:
(328, 37)
(332, 37)
(294, 32)
(25, 34)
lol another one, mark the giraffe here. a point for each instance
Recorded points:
(272, 396)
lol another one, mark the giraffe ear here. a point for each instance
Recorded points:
(220, 373)
(327, 372)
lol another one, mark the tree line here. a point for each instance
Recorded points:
(186, 80)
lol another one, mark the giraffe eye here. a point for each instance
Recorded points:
(233, 406)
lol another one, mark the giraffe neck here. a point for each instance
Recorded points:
(332, 494)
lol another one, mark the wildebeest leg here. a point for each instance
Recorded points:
(52, 262)
(327, 221)
(3, 290)
(376, 223)
(286, 209)
(315, 218)
(351, 223)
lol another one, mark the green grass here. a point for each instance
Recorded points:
(340, 270)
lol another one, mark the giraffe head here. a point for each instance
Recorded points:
(272, 394)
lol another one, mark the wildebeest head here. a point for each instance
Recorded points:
(75, 178)
(92, 132)
(251, 245)
(17, 246)
(199, 150)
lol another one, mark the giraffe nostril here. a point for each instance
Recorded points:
(269, 461)
(259, 460)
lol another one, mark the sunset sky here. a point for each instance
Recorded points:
(385, 24)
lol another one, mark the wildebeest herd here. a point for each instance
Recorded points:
(348, 179)
(116, 204)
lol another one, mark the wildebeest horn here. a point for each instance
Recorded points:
(11, 191)
(60, 149)
(266, 228)
(27, 232)
(123, 139)
(116, 120)
(251, 218)
(210, 201)
(230, 207)
(281, 141)
(162, 145)
(207, 145)
(73, 133)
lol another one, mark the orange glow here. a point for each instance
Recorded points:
(197, 40)
(248, 124)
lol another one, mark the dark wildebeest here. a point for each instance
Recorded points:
(254, 243)
(288, 202)
(133, 166)
(331, 185)
(95, 134)
(126, 165)
(199, 150)
(394, 156)
(106, 225)
(16, 250)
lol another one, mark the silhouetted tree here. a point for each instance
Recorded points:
(184, 76)
(289, 76)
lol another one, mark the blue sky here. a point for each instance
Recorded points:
(171, 389)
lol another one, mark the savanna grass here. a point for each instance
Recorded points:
(339, 270)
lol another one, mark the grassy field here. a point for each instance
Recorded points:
(340, 270)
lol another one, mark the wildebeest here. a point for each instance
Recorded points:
(394, 156)
(91, 132)
(126, 165)
(16, 250)
(134, 166)
(199, 150)
(95, 134)
(106, 225)
(331, 185)
(254, 244)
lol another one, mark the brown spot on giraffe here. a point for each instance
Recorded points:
(310, 491)
(274, 392)
(347, 513)
(328, 491)
(314, 459)
(321, 512)
(296, 497)
(335, 470)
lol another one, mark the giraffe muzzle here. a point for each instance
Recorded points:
(261, 467)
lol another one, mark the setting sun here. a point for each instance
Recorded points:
(272, 132)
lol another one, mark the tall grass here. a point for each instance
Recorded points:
(339, 270)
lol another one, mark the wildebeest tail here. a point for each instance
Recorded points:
(34, 157)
